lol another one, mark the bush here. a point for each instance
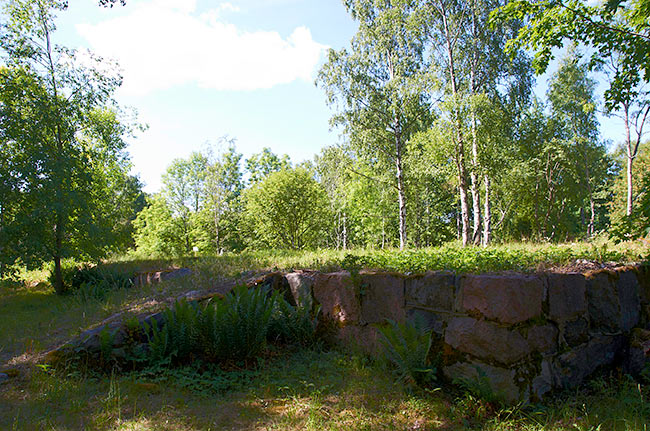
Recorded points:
(236, 327)
(68, 270)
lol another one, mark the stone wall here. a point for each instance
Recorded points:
(526, 333)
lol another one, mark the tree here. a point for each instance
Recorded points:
(626, 226)
(223, 188)
(633, 110)
(468, 63)
(288, 209)
(156, 232)
(260, 165)
(377, 87)
(571, 93)
(615, 27)
(618, 33)
(332, 167)
(183, 189)
(65, 142)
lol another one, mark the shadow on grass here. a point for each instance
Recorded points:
(305, 390)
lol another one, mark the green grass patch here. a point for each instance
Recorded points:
(300, 390)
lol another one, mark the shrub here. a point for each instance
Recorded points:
(91, 281)
(235, 328)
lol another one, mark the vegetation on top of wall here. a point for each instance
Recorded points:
(494, 258)
(453, 257)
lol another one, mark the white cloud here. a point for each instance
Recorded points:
(164, 43)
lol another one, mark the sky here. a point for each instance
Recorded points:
(198, 70)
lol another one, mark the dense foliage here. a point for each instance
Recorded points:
(442, 139)
(64, 184)
(235, 328)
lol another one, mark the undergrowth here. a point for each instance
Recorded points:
(234, 331)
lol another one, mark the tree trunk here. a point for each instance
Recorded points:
(59, 286)
(464, 205)
(592, 205)
(476, 195)
(630, 161)
(345, 232)
(460, 149)
(58, 276)
(487, 215)
(217, 238)
(401, 195)
(2, 223)
(402, 201)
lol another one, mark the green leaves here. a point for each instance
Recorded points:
(615, 30)
(65, 185)
(233, 329)
(289, 209)
(407, 347)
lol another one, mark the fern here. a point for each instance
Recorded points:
(480, 387)
(106, 341)
(293, 325)
(159, 345)
(407, 347)
(247, 314)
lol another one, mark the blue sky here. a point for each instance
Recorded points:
(197, 70)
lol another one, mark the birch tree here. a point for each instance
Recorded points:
(375, 88)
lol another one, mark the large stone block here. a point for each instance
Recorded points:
(362, 339)
(430, 320)
(544, 382)
(510, 298)
(643, 276)
(574, 332)
(543, 338)
(627, 287)
(336, 294)
(486, 340)
(638, 356)
(382, 298)
(432, 290)
(567, 296)
(571, 368)
(501, 381)
(301, 284)
(613, 300)
(604, 310)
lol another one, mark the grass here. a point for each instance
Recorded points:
(302, 390)
(505, 257)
